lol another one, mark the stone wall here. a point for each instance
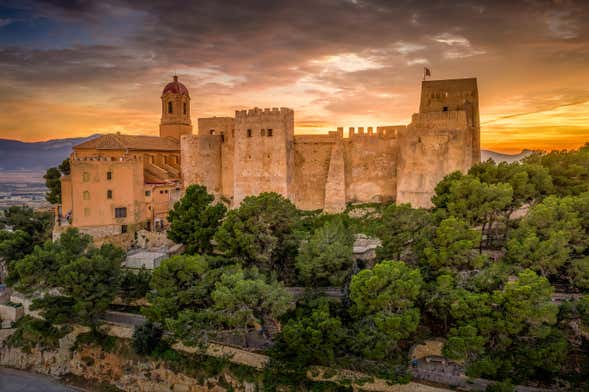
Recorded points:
(312, 157)
(371, 161)
(11, 313)
(335, 187)
(201, 161)
(382, 164)
(432, 146)
(225, 128)
(264, 148)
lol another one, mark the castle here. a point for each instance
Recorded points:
(119, 182)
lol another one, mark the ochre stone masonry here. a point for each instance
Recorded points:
(120, 182)
(257, 151)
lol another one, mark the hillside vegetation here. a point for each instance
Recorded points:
(479, 269)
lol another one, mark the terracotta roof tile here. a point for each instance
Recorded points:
(130, 142)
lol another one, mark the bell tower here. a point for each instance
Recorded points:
(175, 120)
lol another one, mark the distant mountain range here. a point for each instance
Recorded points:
(39, 156)
(36, 156)
(499, 157)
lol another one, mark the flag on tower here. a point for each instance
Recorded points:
(426, 72)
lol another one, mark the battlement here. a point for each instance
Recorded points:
(388, 132)
(257, 112)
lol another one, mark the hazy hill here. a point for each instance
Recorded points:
(499, 157)
(36, 156)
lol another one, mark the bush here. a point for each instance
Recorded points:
(147, 338)
(31, 333)
(134, 284)
(95, 337)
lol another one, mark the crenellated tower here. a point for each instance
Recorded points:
(175, 120)
(263, 152)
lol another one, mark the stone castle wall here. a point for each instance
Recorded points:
(312, 155)
(225, 128)
(433, 145)
(201, 161)
(264, 146)
(258, 152)
(371, 159)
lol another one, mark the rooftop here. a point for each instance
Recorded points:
(117, 141)
(175, 87)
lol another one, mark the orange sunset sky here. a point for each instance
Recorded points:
(75, 68)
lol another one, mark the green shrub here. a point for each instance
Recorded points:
(32, 333)
(146, 338)
(95, 337)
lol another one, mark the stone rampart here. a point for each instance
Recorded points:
(312, 156)
(201, 161)
(371, 168)
(433, 145)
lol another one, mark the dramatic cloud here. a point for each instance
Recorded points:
(79, 67)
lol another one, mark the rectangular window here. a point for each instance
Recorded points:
(249, 133)
(86, 211)
(123, 229)
(121, 212)
(86, 195)
(262, 132)
(109, 194)
(269, 132)
(109, 175)
(86, 177)
(147, 193)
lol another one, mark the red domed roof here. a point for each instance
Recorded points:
(175, 87)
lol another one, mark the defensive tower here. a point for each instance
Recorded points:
(263, 143)
(451, 95)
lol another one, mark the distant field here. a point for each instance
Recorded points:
(21, 176)
(22, 187)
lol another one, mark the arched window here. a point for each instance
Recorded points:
(184, 107)
(170, 107)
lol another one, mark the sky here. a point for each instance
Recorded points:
(74, 67)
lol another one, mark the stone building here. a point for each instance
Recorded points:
(257, 151)
(122, 183)
(118, 182)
